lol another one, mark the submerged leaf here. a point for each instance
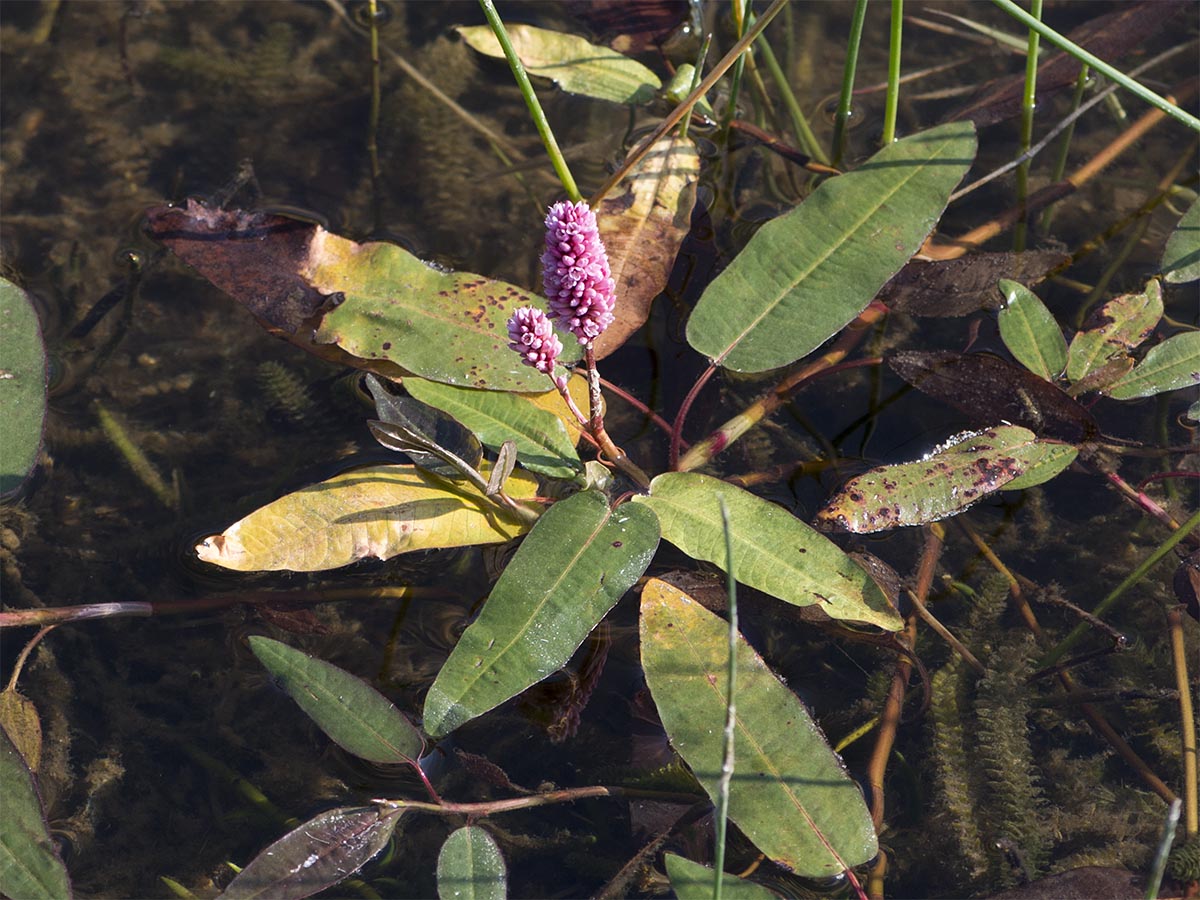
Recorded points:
(1181, 257)
(643, 226)
(808, 273)
(1030, 332)
(471, 867)
(576, 66)
(565, 577)
(324, 851)
(29, 863)
(355, 716)
(773, 551)
(961, 472)
(988, 389)
(1116, 328)
(22, 386)
(1169, 366)
(959, 287)
(376, 511)
(790, 793)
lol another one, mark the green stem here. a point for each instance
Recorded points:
(1133, 578)
(846, 97)
(697, 75)
(1064, 147)
(1028, 105)
(800, 126)
(1099, 65)
(739, 65)
(535, 108)
(893, 88)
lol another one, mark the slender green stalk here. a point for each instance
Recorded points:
(1064, 147)
(373, 117)
(735, 82)
(1154, 882)
(893, 88)
(697, 75)
(800, 127)
(1028, 105)
(846, 97)
(730, 708)
(1100, 65)
(535, 108)
(1133, 578)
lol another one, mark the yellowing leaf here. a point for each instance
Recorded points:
(377, 511)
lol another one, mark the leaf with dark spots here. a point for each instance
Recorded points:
(1110, 37)
(959, 287)
(988, 388)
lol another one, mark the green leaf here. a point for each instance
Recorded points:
(1119, 325)
(29, 864)
(470, 867)
(355, 716)
(444, 326)
(375, 511)
(773, 551)
(693, 881)
(1057, 457)
(22, 386)
(1030, 331)
(1173, 364)
(806, 274)
(572, 63)
(543, 445)
(1181, 258)
(578, 560)
(790, 793)
(962, 471)
(324, 851)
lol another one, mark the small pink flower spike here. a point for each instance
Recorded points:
(575, 273)
(532, 335)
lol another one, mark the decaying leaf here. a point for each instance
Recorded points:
(959, 287)
(962, 471)
(373, 512)
(1114, 329)
(642, 227)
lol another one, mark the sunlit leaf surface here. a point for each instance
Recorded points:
(693, 881)
(1181, 258)
(471, 867)
(773, 551)
(1030, 332)
(790, 793)
(29, 863)
(1169, 366)
(575, 65)
(951, 478)
(1116, 328)
(643, 221)
(808, 273)
(567, 574)
(324, 851)
(373, 512)
(354, 715)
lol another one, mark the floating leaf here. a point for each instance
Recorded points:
(773, 551)
(355, 716)
(470, 867)
(1055, 459)
(1173, 364)
(322, 852)
(29, 863)
(1031, 333)
(988, 389)
(693, 881)
(567, 574)
(22, 386)
(961, 472)
(1116, 328)
(543, 445)
(374, 306)
(806, 274)
(1181, 258)
(959, 287)
(790, 793)
(376, 511)
(643, 226)
(576, 66)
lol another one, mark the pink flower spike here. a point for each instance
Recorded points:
(532, 335)
(575, 272)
